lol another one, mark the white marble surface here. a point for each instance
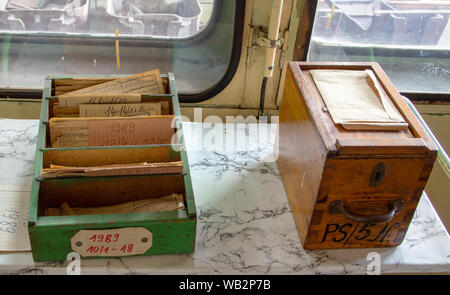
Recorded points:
(245, 225)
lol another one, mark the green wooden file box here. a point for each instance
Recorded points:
(54, 237)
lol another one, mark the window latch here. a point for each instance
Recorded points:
(265, 42)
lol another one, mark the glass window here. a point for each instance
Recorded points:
(159, 19)
(191, 38)
(410, 39)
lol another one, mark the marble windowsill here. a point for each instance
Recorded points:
(245, 225)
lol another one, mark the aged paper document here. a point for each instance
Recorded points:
(14, 202)
(79, 132)
(56, 171)
(144, 83)
(62, 111)
(356, 100)
(120, 110)
(80, 110)
(166, 203)
(74, 100)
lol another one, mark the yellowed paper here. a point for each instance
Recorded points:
(62, 111)
(388, 106)
(14, 202)
(73, 100)
(374, 126)
(65, 209)
(356, 100)
(68, 133)
(166, 203)
(78, 132)
(143, 83)
(56, 171)
(120, 110)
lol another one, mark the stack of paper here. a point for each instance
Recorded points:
(357, 101)
(108, 114)
(57, 171)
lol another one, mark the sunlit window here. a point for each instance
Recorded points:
(191, 38)
(410, 39)
(158, 19)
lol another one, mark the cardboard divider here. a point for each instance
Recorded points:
(117, 131)
(84, 157)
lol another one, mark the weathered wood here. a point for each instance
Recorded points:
(369, 173)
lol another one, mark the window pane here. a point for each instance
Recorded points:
(163, 19)
(410, 39)
(191, 38)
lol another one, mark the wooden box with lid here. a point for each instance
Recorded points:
(350, 184)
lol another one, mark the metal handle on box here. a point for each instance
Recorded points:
(338, 207)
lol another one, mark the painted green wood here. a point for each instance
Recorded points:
(51, 240)
(187, 179)
(38, 158)
(116, 219)
(173, 231)
(189, 193)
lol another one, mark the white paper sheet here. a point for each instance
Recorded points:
(14, 203)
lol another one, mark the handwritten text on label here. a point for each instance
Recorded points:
(112, 242)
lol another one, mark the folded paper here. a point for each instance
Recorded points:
(356, 100)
